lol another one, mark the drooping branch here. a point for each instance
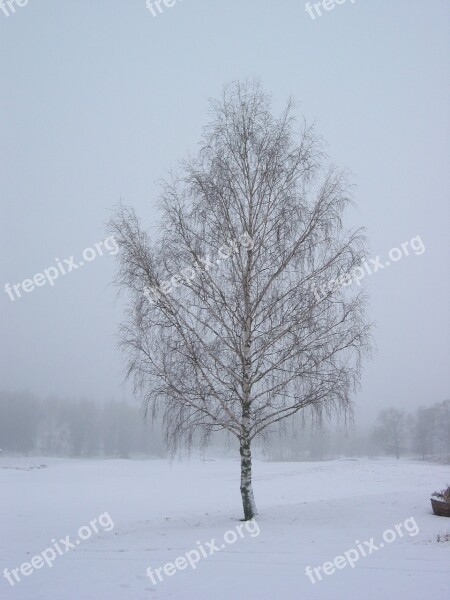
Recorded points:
(240, 340)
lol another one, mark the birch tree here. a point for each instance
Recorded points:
(242, 312)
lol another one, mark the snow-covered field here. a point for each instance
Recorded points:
(309, 514)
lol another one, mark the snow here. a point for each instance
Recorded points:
(309, 514)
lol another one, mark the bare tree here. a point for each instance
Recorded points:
(241, 313)
(391, 430)
(424, 432)
(443, 429)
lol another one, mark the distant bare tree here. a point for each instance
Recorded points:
(424, 432)
(269, 331)
(391, 430)
(443, 428)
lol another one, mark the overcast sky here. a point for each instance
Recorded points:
(99, 98)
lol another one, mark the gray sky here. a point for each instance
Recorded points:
(100, 98)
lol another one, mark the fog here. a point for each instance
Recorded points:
(100, 99)
(224, 307)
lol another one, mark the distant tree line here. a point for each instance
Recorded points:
(424, 434)
(85, 428)
(78, 428)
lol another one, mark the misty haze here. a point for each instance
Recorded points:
(225, 300)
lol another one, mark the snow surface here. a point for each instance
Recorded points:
(309, 513)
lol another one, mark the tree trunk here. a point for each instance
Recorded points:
(397, 448)
(248, 502)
